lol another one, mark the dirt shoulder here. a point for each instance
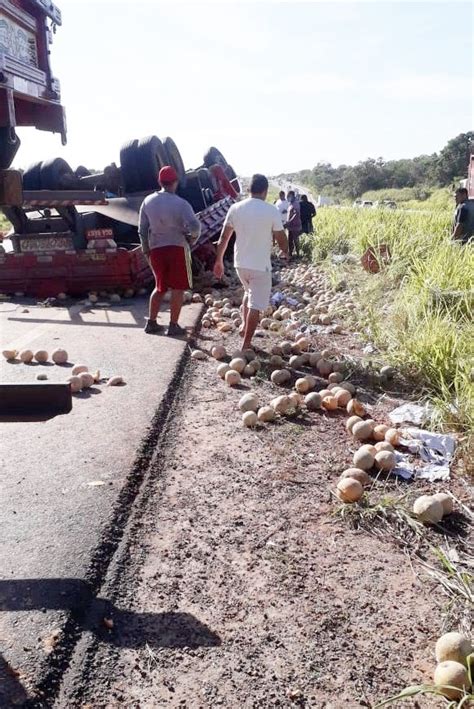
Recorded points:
(240, 586)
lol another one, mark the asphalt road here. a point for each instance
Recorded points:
(67, 483)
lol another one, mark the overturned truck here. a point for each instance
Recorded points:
(77, 230)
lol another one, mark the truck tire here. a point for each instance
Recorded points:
(82, 171)
(207, 179)
(32, 177)
(174, 157)
(9, 144)
(192, 191)
(214, 157)
(57, 174)
(129, 165)
(151, 157)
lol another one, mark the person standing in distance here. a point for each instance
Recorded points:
(463, 225)
(282, 205)
(167, 227)
(308, 211)
(293, 224)
(256, 223)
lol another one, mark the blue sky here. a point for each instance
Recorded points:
(277, 86)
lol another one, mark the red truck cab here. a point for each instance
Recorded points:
(29, 94)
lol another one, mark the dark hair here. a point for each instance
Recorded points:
(281, 193)
(292, 193)
(461, 190)
(258, 184)
(304, 198)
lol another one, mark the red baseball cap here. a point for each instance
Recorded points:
(167, 175)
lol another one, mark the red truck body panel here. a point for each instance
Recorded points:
(29, 94)
(59, 268)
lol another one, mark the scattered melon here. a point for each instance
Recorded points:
(385, 460)
(357, 474)
(349, 490)
(379, 432)
(219, 352)
(453, 646)
(313, 401)
(232, 378)
(447, 502)
(451, 679)
(362, 430)
(249, 419)
(248, 402)
(26, 356)
(355, 408)
(41, 356)
(59, 356)
(238, 364)
(222, 370)
(428, 510)
(351, 421)
(266, 414)
(198, 355)
(280, 376)
(363, 459)
(75, 383)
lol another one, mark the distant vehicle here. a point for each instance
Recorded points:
(363, 204)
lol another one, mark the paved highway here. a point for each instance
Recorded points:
(67, 483)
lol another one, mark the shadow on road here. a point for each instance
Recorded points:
(99, 616)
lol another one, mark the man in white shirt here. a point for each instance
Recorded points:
(282, 205)
(256, 224)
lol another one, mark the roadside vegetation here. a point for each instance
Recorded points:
(4, 223)
(417, 178)
(415, 197)
(418, 309)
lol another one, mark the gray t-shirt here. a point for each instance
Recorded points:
(165, 220)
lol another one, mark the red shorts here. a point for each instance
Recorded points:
(171, 266)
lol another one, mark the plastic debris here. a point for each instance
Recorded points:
(411, 413)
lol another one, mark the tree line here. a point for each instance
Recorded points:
(352, 181)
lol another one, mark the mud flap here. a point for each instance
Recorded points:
(35, 399)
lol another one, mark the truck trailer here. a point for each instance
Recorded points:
(76, 230)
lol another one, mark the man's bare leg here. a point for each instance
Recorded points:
(245, 313)
(156, 299)
(177, 298)
(251, 322)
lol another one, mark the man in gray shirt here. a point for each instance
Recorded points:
(167, 226)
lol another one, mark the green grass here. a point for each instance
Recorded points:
(415, 197)
(4, 223)
(418, 309)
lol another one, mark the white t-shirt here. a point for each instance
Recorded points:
(254, 222)
(283, 206)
